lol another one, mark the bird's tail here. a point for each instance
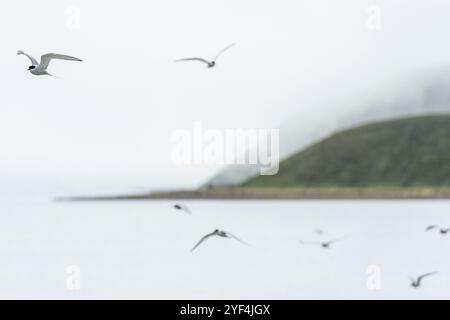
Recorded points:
(51, 75)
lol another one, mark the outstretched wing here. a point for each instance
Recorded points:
(185, 209)
(419, 279)
(46, 58)
(335, 240)
(203, 239)
(194, 59)
(33, 60)
(223, 50)
(236, 238)
(430, 228)
(309, 243)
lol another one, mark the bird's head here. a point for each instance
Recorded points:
(31, 68)
(211, 64)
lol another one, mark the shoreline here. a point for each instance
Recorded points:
(303, 193)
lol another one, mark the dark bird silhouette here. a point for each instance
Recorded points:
(415, 283)
(219, 233)
(182, 207)
(443, 231)
(323, 244)
(209, 63)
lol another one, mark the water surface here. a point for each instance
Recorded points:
(141, 249)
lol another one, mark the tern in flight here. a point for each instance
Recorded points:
(320, 232)
(182, 207)
(40, 68)
(441, 230)
(323, 244)
(415, 283)
(219, 233)
(211, 63)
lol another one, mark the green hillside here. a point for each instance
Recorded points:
(405, 152)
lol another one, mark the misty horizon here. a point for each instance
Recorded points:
(313, 63)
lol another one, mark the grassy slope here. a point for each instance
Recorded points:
(406, 152)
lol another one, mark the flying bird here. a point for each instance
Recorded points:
(182, 207)
(415, 283)
(40, 68)
(219, 233)
(441, 230)
(320, 232)
(323, 244)
(209, 63)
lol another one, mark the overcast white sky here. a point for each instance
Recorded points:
(106, 124)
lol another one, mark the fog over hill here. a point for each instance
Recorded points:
(406, 152)
(425, 94)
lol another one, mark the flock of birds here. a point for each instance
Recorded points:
(416, 282)
(40, 68)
